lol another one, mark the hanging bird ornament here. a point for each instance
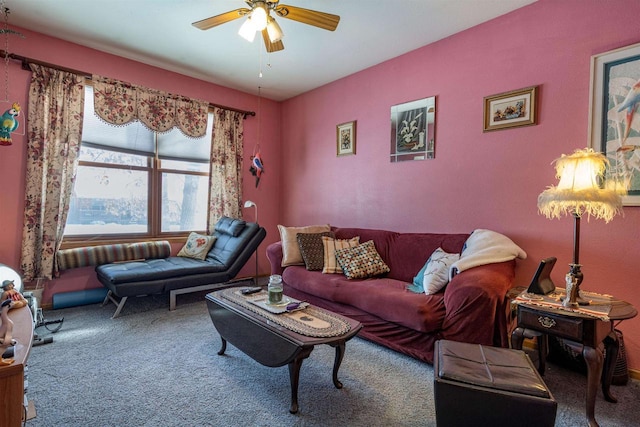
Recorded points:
(257, 167)
(9, 123)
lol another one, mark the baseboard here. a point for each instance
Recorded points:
(634, 373)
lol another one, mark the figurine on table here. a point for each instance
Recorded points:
(9, 293)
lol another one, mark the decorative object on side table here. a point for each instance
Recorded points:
(510, 109)
(578, 193)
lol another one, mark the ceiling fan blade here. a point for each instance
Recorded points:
(214, 21)
(271, 46)
(326, 21)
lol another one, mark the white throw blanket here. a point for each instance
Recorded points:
(485, 247)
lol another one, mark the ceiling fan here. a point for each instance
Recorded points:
(259, 19)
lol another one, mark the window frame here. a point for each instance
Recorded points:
(154, 170)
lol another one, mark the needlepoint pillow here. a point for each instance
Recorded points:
(361, 261)
(436, 273)
(312, 249)
(197, 246)
(331, 265)
(290, 250)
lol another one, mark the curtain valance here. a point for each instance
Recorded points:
(120, 103)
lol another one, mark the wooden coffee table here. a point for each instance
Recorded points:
(270, 344)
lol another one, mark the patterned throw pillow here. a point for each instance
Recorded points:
(197, 246)
(436, 273)
(362, 261)
(290, 250)
(330, 246)
(312, 249)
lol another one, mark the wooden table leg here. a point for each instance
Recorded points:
(594, 358)
(340, 349)
(223, 347)
(517, 336)
(612, 345)
(294, 377)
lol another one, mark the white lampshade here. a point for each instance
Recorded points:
(248, 30)
(274, 30)
(579, 190)
(259, 17)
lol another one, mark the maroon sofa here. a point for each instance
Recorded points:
(472, 308)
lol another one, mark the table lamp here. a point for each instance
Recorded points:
(579, 192)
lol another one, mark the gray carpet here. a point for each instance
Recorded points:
(153, 367)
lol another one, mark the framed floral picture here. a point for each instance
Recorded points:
(346, 138)
(510, 109)
(413, 130)
(614, 118)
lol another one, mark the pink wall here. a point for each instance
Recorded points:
(477, 180)
(12, 158)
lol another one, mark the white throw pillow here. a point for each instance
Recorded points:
(197, 246)
(436, 275)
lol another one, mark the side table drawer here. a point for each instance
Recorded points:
(562, 326)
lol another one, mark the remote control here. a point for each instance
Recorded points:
(248, 291)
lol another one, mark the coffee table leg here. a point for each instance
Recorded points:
(223, 348)
(340, 349)
(294, 377)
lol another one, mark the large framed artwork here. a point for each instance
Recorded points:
(346, 138)
(413, 130)
(510, 109)
(614, 117)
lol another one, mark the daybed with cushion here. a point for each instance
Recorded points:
(205, 262)
(411, 290)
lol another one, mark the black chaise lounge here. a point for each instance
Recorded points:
(236, 240)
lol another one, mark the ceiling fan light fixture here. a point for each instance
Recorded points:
(259, 17)
(248, 30)
(274, 30)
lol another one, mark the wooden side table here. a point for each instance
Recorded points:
(590, 334)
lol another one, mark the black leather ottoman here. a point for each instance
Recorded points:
(488, 386)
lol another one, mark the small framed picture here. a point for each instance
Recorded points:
(346, 138)
(510, 109)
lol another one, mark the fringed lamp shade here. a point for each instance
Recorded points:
(579, 191)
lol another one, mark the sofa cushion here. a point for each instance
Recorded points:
(361, 261)
(155, 269)
(405, 253)
(290, 249)
(383, 297)
(331, 245)
(197, 246)
(312, 249)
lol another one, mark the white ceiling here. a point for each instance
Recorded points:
(159, 33)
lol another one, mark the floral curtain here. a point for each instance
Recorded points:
(54, 127)
(119, 103)
(227, 144)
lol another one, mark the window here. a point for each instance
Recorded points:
(134, 182)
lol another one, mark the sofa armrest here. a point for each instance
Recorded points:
(477, 305)
(274, 254)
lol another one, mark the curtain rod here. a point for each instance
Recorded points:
(26, 61)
